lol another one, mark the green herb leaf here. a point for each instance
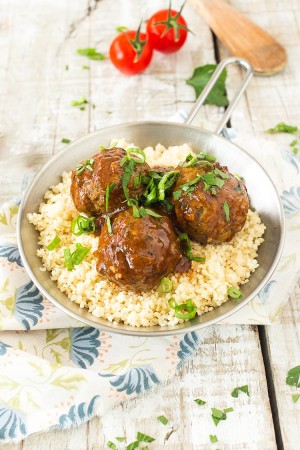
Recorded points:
(293, 378)
(66, 67)
(226, 211)
(91, 53)
(245, 389)
(85, 67)
(199, 80)
(121, 28)
(80, 102)
(145, 448)
(219, 172)
(218, 414)
(132, 445)
(166, 182)
(54, 243)
(120, 438)
(283, 128)
(65, 141)
(295, 397)
(141, 437)
(163, 420)
(295, 150)
(177, 194)
(86, 165)
(227, 410)
(200, 402)
(213, 438)
(112, 445)
(150, 212)
(109, 189)
(234, 292)
(165, 285)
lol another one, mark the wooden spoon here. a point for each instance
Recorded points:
(242, 37)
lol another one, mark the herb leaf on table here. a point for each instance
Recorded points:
(293, 378)
(199, 80)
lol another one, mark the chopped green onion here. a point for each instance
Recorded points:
(86, 165)
(109, 189)
(163, 420)
(166, 285)
(91, 53)
(235, 392)
(166, 182)
(83, 225)
(200, 402)
(227, 410)
(75, 258)
(135, 154)
(234, 292)
(188, 252)
(189, 307)
(226, 211)
(80, 102)
(150, 212)
(79, 254)
(121, 28)
(141, 437)
(65, 141)
(132, 446)
(293, 377)
(206, 156)
(128, 171)
(120, 438)
(54, 243)
(68, 259)
(213, 438)
(172, 303)
(112, 445)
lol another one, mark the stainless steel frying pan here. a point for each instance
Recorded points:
(263, 196)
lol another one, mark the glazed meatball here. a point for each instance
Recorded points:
(206, 212)
(88, 188)
(138, 252)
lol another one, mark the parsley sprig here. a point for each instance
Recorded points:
(289, 129)
(88, 164)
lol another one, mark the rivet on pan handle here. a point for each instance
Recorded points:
(223, 64)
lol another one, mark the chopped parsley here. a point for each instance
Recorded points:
(283, 128)
(200, 402)
(177, 194)
(91, 53)
(112, 445)
(218, 414)
(85, 67)
(226, 211)
(163, 420)
(141, 437)
(213, 438)
(295, 397)
(166, 183)
(54, 243)
(293, 377)
(235, 392)
(199, 80)
(86, 165)
(133, 445)
(65, 141)
(109, 189)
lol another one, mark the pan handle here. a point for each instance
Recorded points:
(202, 97)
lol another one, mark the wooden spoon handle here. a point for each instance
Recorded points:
(242, 37)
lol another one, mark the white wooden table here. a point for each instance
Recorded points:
(37, 41)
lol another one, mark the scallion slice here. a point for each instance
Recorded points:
(68, 259)
(79, 254)
(54, 243)
(188, 251)
(166, 285)
(234, 292)
(83, 225)
(185, 311)
(226, 211)
(163, 420)
(166, 182)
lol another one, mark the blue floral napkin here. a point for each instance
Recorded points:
(55, 374)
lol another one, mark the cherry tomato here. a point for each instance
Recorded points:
(167, 30)
(131, 52)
